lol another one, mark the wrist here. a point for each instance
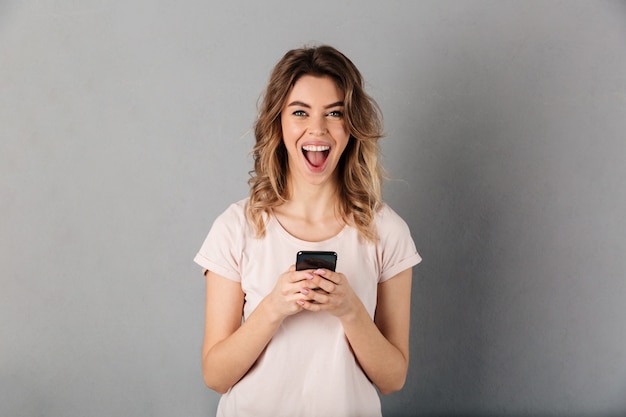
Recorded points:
(355, 314)
(270, 312)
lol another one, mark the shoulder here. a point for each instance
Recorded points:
(396, 247)
(223, 246)
(235, 212)
(388, 222)
(234, 218)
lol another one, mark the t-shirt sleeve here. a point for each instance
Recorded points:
(397, 250)
(222, 249)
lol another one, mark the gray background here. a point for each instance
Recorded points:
(125, 129)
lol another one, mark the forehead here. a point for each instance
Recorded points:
(315, 90)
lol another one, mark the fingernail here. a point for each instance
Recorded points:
(300, 302)
(304, 291)
(320, 272)
(308, 275)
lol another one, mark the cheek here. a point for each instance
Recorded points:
(291, 132)
(341, 135)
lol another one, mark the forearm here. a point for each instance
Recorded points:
(384, 363)
(230, 359)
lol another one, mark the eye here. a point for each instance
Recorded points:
(336, 113)
(299, 113)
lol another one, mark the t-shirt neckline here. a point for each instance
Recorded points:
(274, 223)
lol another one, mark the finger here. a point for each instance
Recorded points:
(290, 285)
(313, 284)
(316, 296)
(296, 276)
(310, 305)
(324, 285)
(308, 294)
(331, 276)
(305, 291)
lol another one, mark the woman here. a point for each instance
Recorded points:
(312, 342)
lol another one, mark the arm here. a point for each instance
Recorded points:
(380, 346)
(230, 348)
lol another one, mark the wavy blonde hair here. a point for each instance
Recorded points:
(360, 173)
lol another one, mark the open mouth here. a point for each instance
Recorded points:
(316, 154)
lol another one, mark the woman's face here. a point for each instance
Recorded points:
(313, 127)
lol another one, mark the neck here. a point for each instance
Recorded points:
(312, 202)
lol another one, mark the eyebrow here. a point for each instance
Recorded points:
(302, 104)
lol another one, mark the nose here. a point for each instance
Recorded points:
(318, 126)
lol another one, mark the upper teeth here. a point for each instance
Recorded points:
(316, 148)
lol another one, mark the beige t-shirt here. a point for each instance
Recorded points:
(308, 368)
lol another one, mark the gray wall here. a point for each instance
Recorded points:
(124, 130)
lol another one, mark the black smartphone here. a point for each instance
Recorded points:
(316, 259)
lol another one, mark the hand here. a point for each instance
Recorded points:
(286, 298)
(329, 291)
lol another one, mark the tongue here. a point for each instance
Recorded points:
(316, 158)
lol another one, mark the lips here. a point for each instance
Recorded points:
(316, 155)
